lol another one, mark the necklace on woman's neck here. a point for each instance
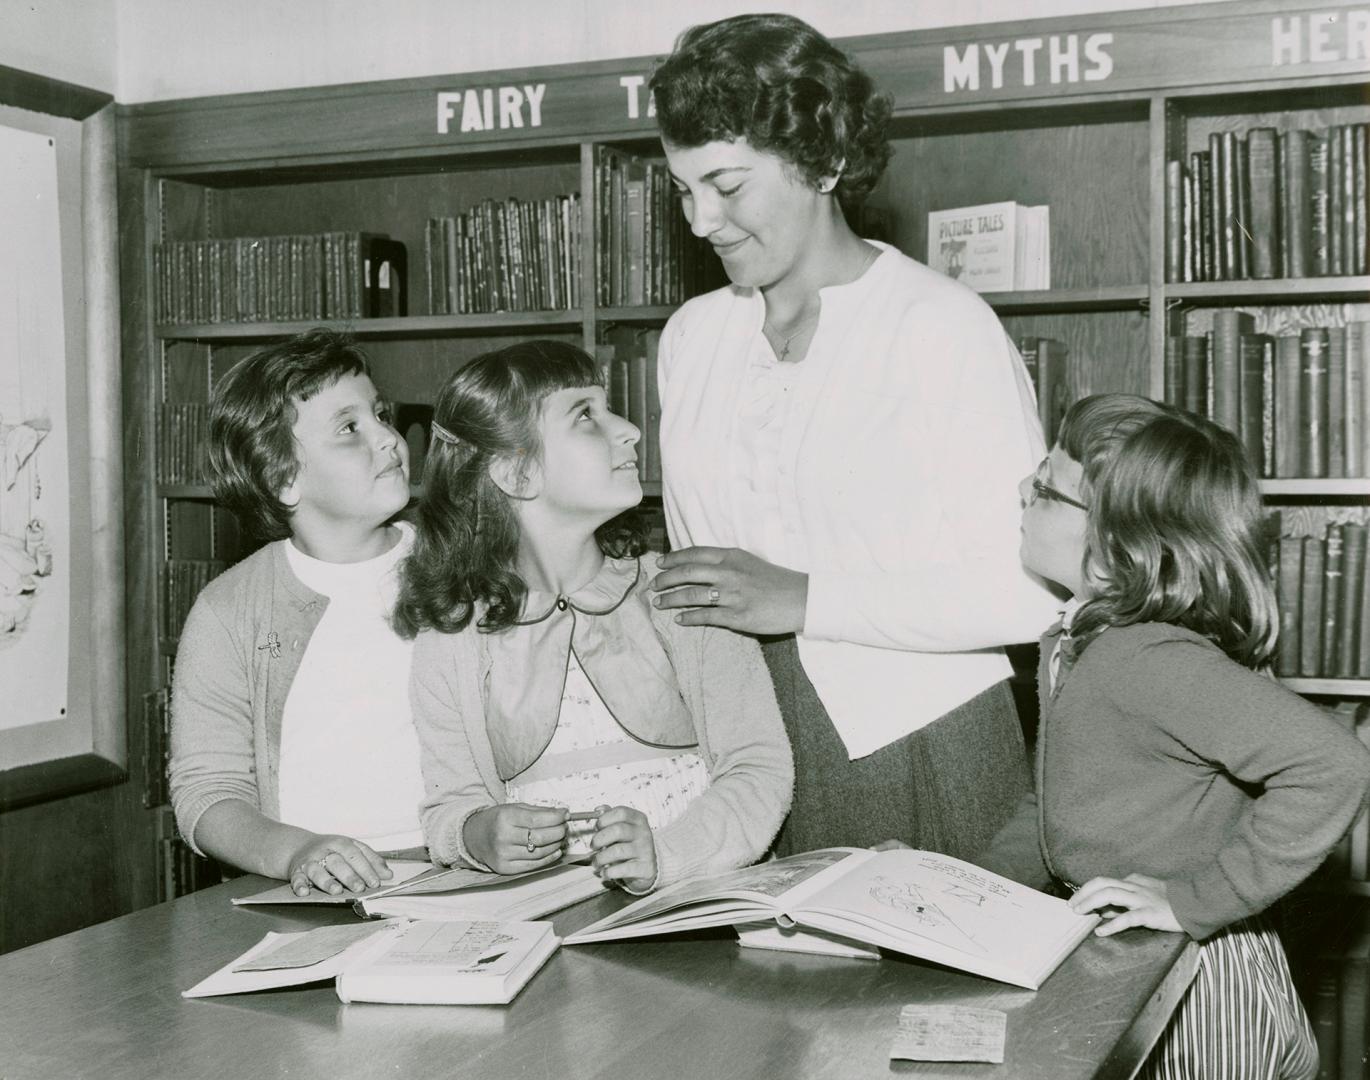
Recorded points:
(783, 352)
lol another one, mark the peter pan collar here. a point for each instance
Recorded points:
(602, 595)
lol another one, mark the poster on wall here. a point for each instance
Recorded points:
(35, 564)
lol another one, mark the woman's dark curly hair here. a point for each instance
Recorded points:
(778, 83)
(467, 535)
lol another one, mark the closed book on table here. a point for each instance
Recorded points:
(1288, 591)
(1331, 600)
(1288, 408)
(1313, 398)
(398, 961)
(1263, 179)
(1337, 404)
(1310, 608)
(1228, 326)
(449, 963)
(1352, 586)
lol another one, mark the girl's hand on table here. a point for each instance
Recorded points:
(513, 838)
(1136, 900)
(624, 850)
(732, 588)
(334, 864)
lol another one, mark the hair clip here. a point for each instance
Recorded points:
(443, 435)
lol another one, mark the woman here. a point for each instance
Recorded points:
(842, 435)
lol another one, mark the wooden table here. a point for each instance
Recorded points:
(105, 1003)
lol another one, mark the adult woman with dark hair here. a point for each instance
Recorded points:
(842, 433)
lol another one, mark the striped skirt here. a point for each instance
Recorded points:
(1241, 1018)
(947, 787)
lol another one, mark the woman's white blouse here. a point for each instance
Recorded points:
(894, 466)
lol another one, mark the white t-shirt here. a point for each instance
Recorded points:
(349, 751)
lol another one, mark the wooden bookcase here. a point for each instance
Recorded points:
(1080, 113)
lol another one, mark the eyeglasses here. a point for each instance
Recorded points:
(1042, 490)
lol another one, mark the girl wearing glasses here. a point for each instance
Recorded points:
(1178, 786)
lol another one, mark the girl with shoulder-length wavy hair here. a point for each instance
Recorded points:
(544, 681)
(1187, 791)
(1177, 527)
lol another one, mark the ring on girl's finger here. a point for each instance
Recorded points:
(529, 842)
(714, 595)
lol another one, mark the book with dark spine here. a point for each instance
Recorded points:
(1336, 201)
(1352, 585)
(1263, 181)
(1288, 594)
(1331, 600)
(1174, 221)
(1228, 327)
(1337, 405)
(1288, 407)
(1318, 254)
(1313, 396)
(1310, 608)
(1252, 420)
(1195, 350)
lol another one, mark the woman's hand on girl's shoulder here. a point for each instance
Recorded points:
(731, 588)
(1136, 900)
(514, 838)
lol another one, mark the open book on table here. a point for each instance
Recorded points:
(917, 902)
(421, 962)
(424, 891)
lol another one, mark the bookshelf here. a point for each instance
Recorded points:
(1084, 120)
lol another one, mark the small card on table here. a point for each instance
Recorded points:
(950, 1033)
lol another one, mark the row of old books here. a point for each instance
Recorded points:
(156, 747)
(182, 580)
(181, 433)
(180, 871)
(646, 253)
(1299, 401)
(505, 255)
(627, 358)
(1274, 204)
(1323, 594)
(333, 275)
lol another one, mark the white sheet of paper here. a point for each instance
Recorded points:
(950, 1033)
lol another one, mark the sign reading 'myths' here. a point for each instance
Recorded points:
(1055, 59)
